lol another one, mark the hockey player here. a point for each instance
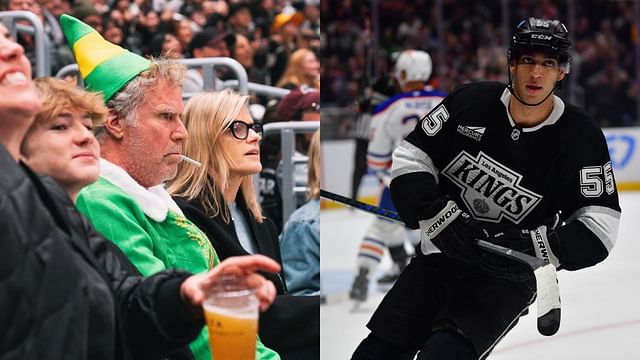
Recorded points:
(392, 120)
(501, 160)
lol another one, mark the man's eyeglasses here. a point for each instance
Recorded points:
(240, 129)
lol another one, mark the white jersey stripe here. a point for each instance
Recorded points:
(600, 220)
(407, 158)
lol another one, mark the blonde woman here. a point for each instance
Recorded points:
(300, 242)
(219, 198)
(303, 68)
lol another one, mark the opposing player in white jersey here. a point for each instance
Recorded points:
(392, 120)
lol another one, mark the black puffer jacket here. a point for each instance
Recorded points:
(63, 290)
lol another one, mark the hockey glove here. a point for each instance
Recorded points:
(536, 242)
(451, 230)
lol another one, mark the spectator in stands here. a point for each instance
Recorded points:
(215, 11)
(219, 198)
(81, 303)
(172, 47)
(308, 39)
(88, 14)
(303, 68)
(113, 33)
(141, 144)
(311, 13)
(300, 104)
(242, 51)
(283, 32)
(56, 8)
(166, 45)
(207, 43)
(240, 20)
(300, 240)
(60, 143)
(59, 52)
(183, 32)
(147, 26)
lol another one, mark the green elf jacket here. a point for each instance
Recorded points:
(152, 231)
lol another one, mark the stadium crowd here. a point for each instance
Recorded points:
(261, 35)
(604, 74)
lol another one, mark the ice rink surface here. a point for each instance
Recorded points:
(600, 305)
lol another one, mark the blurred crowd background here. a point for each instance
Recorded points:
(468, 41)
(262, 35)
(277, 42)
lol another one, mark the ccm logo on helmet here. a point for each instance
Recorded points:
(540, 36)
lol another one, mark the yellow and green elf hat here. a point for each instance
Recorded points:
(105, 67)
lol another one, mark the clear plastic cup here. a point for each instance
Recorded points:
(231, 313)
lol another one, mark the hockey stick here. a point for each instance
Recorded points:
(548, 291)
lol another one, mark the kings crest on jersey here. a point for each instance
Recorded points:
(490, 190)
(468, 144)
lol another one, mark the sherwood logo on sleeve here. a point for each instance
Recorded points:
(436, 224)
(490, 190)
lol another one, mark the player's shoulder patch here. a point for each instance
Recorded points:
(434, 121)
(461, 97)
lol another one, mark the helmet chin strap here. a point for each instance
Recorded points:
(510, 87)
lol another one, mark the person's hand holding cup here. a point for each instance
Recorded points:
(231, 313)
(231, 295)
(194, 288)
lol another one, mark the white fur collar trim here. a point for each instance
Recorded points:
(154, 201)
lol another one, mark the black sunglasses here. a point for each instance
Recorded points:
(240, 129)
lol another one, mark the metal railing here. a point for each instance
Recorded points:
(41, 44)
(287, 131)
(259, 89)
(208, 66)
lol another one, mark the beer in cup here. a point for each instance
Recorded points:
(231, 313)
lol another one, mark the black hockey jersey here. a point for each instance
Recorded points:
(508, 176)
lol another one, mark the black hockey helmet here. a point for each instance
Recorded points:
(548, 36)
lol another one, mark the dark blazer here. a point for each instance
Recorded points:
(291, 326)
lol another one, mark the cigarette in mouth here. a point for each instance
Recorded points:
(191, 161)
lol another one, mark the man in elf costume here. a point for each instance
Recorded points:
(141, 144)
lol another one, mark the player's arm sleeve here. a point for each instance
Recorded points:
(587, 238)
(413, 182)
(380, 147)
(414, 174)
(593, 212)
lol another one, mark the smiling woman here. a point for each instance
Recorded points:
(60, 142)
(18, 100)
